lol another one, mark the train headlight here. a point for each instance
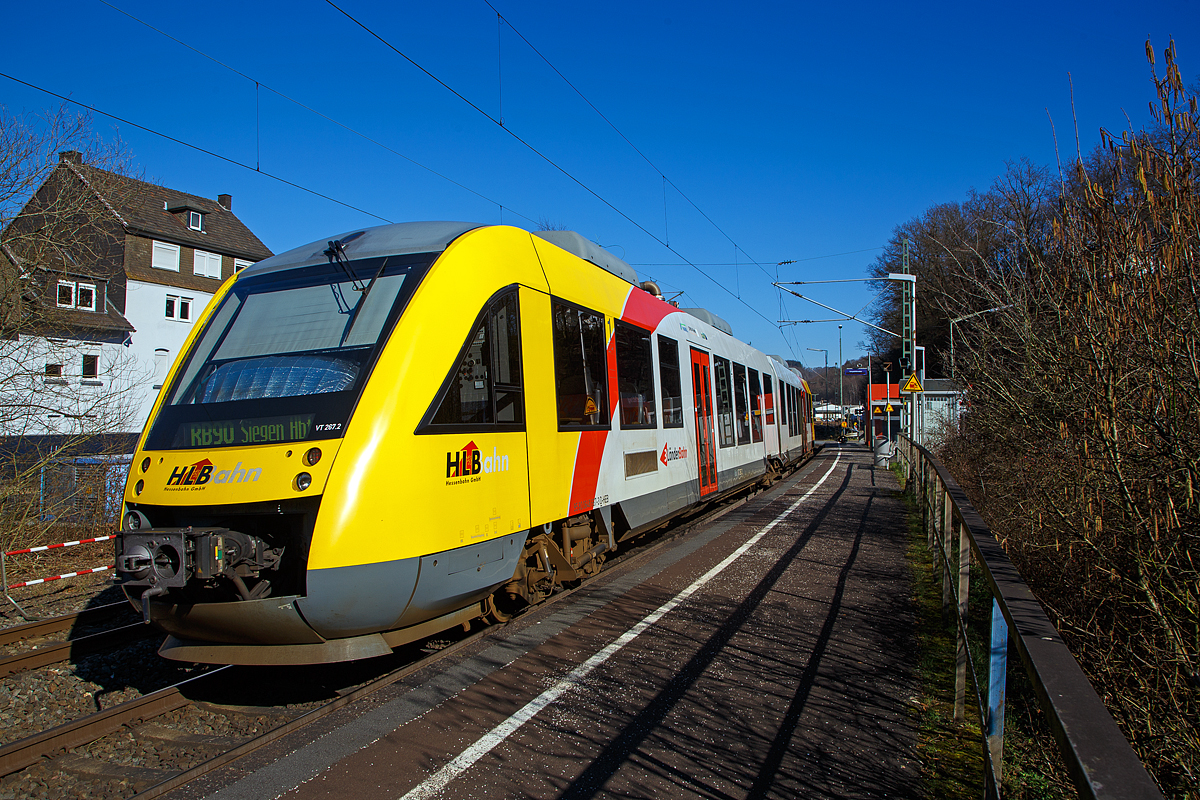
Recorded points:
(145, 463)
(312, 456)
(137, 487)
(132, 521)
(303, 481)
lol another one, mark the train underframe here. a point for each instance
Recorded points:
(225, 595)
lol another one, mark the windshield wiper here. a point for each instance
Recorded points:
(362, 301)
(337, 253)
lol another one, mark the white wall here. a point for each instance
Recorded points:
(145, 308)
(33, 403)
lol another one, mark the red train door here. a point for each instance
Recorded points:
(705, 447)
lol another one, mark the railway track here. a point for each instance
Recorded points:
(45, 653)
(153, 744)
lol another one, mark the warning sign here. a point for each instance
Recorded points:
(590, 406)
(889, 408)
(913, 384)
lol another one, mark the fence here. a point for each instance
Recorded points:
(35, 581)
(1099, 759)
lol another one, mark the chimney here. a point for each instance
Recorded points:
(72, 156)
(226, 200)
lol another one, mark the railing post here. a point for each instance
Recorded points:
(997, 676)
(964, 586)
(947, 529)
(925, 499)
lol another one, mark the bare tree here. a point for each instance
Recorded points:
(1082, 442)
(65, 381)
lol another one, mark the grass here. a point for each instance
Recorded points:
(951, 753)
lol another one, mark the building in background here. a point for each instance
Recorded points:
(113, 273)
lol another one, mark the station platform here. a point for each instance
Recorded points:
(770, 653)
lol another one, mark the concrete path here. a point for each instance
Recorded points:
(770, 654)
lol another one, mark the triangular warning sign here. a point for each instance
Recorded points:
(913, 384)
(590, 406)
(889, 408)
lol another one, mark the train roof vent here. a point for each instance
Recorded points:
(704, 315)
(575, 244)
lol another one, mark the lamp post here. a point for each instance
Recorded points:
(826, 372)
(841, 380)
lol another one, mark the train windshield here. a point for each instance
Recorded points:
(285, 355)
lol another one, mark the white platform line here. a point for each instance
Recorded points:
(440, 779)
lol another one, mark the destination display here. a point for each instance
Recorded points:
(234, 432)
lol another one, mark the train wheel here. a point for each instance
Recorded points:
(492, 613)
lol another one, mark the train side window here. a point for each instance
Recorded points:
(672, 391)
(580, 367)
(794, 416)
(484, 391)
(635, 376)
(756, 411)
(783, 398)
(739, 399)
(724, 401)
(768, 400)
(785, 409)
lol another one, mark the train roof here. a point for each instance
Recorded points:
(383, 240)
(576, 245)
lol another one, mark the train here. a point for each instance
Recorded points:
(404, 428)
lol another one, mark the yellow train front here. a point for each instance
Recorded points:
(379, 436)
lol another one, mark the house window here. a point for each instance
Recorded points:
(160, 367)
(54, 370)
(239, 265)
(196, 220)
(76, 295)
(179, 308)
(85, 296)
(66, 294)
(208, 264)
(166, 256)
(91, 366)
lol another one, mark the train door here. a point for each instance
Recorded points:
(705, 442)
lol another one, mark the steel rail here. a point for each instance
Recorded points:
(74, 648)
(28, 751)
(42, 627)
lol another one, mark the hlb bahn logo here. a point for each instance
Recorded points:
(672, 454)
(198, 474)
(471, 461)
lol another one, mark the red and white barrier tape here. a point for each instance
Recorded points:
(60, 577)
(56, 546)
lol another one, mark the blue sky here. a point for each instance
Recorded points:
(804, 131)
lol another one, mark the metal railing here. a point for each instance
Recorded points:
(1098, 757)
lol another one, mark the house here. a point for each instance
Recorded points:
(112, 274)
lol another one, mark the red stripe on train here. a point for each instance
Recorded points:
(643, 308)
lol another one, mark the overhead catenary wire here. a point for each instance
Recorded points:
(195, 147)
(311, 110)
(636, 149)
(549, 160)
